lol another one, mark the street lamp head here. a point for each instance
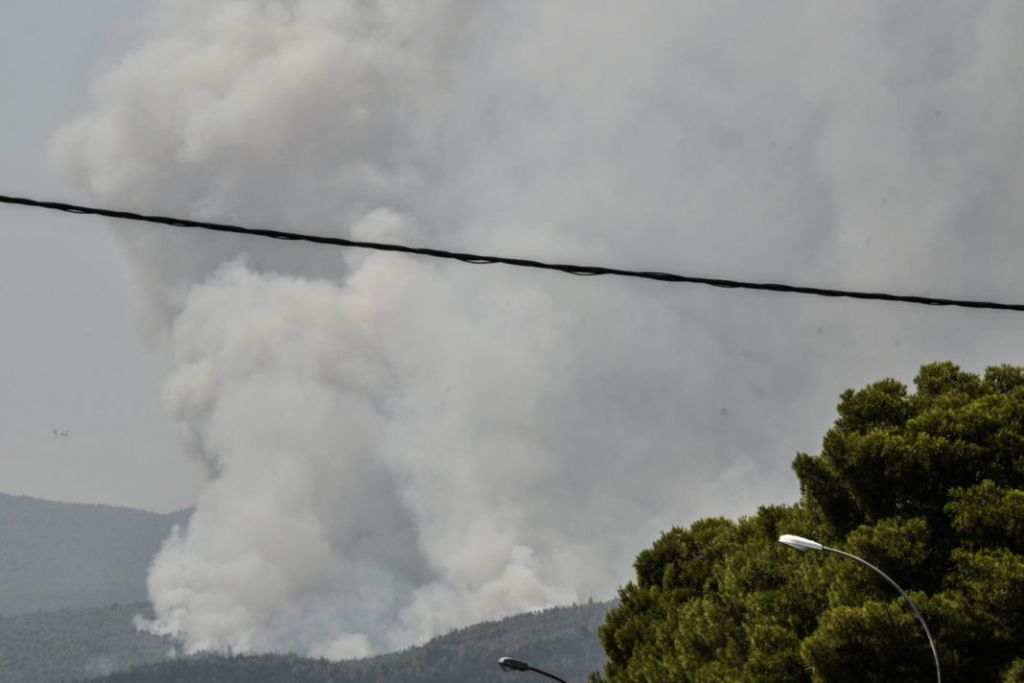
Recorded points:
(509, 664)
(800, 543)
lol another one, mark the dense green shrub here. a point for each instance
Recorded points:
(928, 486)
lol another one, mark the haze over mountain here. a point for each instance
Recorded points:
(73, 645)
(64, 565)
(66, 645)
(562, 640)
(67, 555)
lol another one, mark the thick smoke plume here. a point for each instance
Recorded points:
(396, 447)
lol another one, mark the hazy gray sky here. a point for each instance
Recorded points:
(71, 355)
(394, 446)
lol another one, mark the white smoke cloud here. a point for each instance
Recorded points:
(396, 447)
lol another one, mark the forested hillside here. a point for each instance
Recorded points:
(57, 557)
(62, 555)
(73, 645)
(562, 640)
(45, 647)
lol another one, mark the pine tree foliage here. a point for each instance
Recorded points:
(928, 486)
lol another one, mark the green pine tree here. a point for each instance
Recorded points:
(928, 486)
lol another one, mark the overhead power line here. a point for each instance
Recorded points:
(571, 269)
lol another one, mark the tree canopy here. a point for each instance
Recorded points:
(928, 486)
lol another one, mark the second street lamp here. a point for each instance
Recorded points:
(509, 664)
(804, 544)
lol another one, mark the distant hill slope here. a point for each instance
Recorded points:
(78, 560)
(47, 647)
(64, 555)
(562, 640)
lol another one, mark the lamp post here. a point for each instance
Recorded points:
(805, 544)
(509, 664)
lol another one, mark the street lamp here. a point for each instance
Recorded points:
(805, 544)
(509, 664)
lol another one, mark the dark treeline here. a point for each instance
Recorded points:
(562, 640)
(45, 647)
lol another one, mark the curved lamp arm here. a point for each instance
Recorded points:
(804, 544)
(509, 664)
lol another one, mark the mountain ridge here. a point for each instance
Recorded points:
(562, 640)
(72, 578)
(57, 555)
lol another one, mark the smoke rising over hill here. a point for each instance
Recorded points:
(396, 447)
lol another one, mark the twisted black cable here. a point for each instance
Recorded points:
(521, 263)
